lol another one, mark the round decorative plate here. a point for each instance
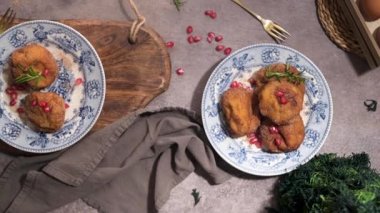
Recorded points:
(316, 114)
(80, 82)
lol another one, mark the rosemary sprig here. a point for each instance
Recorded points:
(294, 78)
(29, 75)
(178, 4)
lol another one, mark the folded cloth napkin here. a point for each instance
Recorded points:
(129, 166)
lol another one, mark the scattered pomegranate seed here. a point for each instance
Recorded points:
(208, 12)
(189, 29)
(279, 93)
(227, 51)
(277, 142)
(218, 38)
(42, 104)
(20, 110)
(45, 72)
(12, 102)
(67, 105)
(190, 39)
(234, 84)
(47, 109)
(78, 81)
(283, 100)
(9, 90)
(34, 103)
(169, 44)
(212, 14)
(211, 34)
(219, 48)
(209, 39)
(253, 140)
(13, 95)
(273, 130)
(180, 71)
(197, 39)
(20, 87)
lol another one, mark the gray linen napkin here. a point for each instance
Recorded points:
(129, 166)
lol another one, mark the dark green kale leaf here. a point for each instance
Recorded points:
(329, 183)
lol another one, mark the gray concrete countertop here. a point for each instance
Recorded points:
(354, 129)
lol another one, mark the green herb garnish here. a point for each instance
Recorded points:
(29, 75)
(178, 4)
(294, 78)
(196, 196)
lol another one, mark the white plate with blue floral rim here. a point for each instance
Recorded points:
(80, 82)
(316, 114)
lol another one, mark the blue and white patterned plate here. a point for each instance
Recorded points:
(317, 111)
(77, 61)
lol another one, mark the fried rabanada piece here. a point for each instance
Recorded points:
(33, 65)
(282, 138)
(280, 101)
(238, 106)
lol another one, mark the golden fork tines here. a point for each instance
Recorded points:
(7, 19)
(274, 30)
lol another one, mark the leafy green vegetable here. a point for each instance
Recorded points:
(29, 75)
(329, 183)
(196, 196)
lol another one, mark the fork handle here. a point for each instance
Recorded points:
(257, 16)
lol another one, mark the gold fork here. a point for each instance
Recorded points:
(276, 31)
(7, 20)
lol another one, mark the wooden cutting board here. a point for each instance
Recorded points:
(135, 73)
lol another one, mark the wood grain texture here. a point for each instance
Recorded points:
(135, 73)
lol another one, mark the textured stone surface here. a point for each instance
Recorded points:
(351, 82)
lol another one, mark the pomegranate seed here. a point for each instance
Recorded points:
(283, 100)
(209, 39)
(208, 12)
(45, 72)
(253, 140)
(20, 87)
(219, 48)
(169, 44)
(234, 84)
(9, 90)
(279, 93)
(189, 29)
(47, 109)
(13, 95)
(212, 14)
(218, 38)
(34, 103)
(273, 130)
(42, 104)
(20, 110)
(251, 135)
(211, 34)
(190, 39)
(67, 105)
(277, 142)
(12, 102)
(197, 39)
(78, 81)
(180, 71)
(227, 51)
